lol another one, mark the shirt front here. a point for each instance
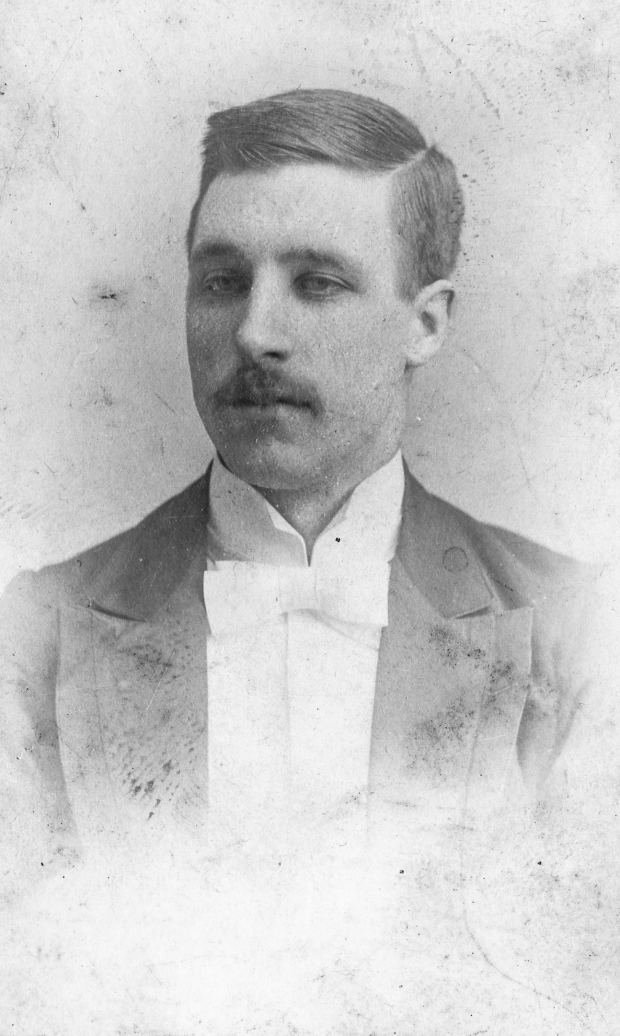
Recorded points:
(290, 697)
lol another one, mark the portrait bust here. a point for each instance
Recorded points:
(305, 664)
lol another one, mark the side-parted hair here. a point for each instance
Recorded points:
(355, 132)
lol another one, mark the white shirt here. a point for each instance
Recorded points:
(290, 700)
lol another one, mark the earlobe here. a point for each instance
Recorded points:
(430, 321)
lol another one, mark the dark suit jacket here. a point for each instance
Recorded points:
(105, 682)
(104, 705)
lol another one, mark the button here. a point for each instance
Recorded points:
(455, 559)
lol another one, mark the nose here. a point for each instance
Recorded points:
(261, 330)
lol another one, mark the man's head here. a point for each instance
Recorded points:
(319, 248)
(334, 127)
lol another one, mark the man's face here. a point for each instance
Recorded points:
(298, 335)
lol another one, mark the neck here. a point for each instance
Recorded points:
(310, 509)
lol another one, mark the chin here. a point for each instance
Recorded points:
(269, 467)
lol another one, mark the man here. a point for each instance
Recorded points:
(304, 650)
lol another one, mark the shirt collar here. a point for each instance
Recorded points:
(244, 526)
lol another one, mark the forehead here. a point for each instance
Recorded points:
(300, 206)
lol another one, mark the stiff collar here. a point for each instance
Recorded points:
(244, 526)
(136, 574)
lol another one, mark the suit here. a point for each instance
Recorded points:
(481, 670)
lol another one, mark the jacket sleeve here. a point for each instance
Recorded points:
(562, 593)
(35, 820)
(565, 625)
(588, 662)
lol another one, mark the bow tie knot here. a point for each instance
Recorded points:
(240, 595)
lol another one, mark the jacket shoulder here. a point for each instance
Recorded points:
(521, 570)
(151, 553)
(459, 561)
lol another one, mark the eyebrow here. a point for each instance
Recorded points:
(336, 260)
(215, 250)
(222, 249)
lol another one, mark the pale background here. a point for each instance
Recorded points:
(103, 105)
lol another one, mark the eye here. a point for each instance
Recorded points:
(320, 285)
(223, 284)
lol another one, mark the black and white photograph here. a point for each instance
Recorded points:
(310, 454)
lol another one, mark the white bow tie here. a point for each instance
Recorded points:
(240, 595)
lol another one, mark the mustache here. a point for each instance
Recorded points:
(261, 386)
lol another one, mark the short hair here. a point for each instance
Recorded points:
(355, 132)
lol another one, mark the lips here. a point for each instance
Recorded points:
(268, 400)
(256, 387)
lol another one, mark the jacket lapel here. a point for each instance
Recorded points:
(451, 684)
(132, 688)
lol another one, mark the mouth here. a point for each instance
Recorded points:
(258, 391)
(269, 403)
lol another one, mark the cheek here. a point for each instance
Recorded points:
(208, 336)
(200, 327)
(369, 352)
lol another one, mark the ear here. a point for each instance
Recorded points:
(430, 321)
